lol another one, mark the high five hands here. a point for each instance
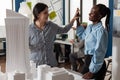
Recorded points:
(77, 14)
(76, 17)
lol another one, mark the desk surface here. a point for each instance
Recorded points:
(63, 42)
(2, 39)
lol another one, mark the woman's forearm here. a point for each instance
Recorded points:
(72, 21)
(78, 22)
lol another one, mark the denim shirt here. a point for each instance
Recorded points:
(41, 42)
(96, 40)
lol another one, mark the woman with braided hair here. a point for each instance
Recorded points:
(96, 41)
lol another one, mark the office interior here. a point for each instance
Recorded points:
(61, 12)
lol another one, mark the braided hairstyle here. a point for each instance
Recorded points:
(104, 11)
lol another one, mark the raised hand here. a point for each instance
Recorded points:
(77, 14)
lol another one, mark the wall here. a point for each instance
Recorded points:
(116, 49)
(115, 3)
(116, 59)
(6, 4)
(86, 11)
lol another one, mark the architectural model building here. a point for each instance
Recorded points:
(41, 72)
(19, 76)
(16, 75)
(17, 56)
(3, 76)
(45, 72)
(33, 70)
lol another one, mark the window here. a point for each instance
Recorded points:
(4, 4)
(74, 4)
(86, 8)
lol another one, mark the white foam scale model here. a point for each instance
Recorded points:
(45, 72)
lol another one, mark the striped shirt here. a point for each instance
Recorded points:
(41, 42)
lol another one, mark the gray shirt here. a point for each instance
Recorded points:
(41, 42)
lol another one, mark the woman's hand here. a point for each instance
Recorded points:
(88, 75)
(84, 25)
(72, 41)
(77, 14)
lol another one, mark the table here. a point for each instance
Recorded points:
(66, 42)
(3, 46)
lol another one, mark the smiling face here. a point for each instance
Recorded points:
(43, 16)
(94, 14)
